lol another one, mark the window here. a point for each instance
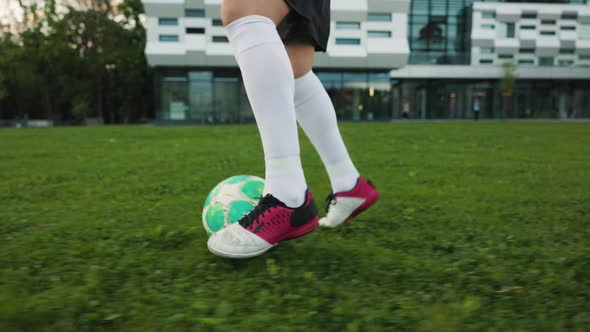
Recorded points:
(216, 22)
(568, 28)
(547, 33)
(569, 16)
(510, 30)
(487, 27)
(526, 62)
(348, 25)
(486, 50)
(348, 41)
(584, 57)
(546, 61)
(379, 34)
(219, 39)
(506, 56)
(439, 32)
(585, 31)
(529, 15)
(198, 31)
(488, 15)
(486, 61)
(168, 21)
(564, 50)
(527, 27)
(506, 30)
(169, 38)
(524, 50)
(379, 17)
(565, 63)
(548, 22)
(194, 12)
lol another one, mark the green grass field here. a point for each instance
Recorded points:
(481, 227)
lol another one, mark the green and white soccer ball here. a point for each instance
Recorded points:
(230, 200)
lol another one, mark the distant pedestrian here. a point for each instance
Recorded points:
(406, 109)
(476, 109)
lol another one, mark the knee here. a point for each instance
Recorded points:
(300, 70)
(301, 56)
(232, 10)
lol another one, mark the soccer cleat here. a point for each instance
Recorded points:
(343, 206)
(269, 223)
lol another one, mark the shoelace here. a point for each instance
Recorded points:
(330, 200)
(264, 205)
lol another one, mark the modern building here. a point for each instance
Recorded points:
(459, 49)
(198, 79)
(428, 58)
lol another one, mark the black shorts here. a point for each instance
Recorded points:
(307, 22)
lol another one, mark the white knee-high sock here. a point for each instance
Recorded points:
(269, 81)
(316, 114)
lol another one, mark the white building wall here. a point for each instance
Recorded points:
(375, 43)
(544, 34)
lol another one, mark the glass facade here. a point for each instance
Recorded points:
(457, 99)
(218, 96)
(359, 96)
(201, 96)
(439, 30)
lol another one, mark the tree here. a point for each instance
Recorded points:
(11, 56)
(509, 78)
(3, 70)
(86, 61)
(507, 85)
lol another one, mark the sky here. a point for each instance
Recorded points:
(7, 5)
(9, 9)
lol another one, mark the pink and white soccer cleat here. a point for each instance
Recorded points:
(268, 224)
(343, 206)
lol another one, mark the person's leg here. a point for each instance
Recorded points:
(316, 115)
(268, 79)
(351, 193)
(287, 209)
(301, 56)
(233, 10)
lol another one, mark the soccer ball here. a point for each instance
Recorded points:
(230, 200)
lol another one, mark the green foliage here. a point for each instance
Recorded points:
(481, 227)
(509, 78)
(7, 54)
(3, 90)
(80, 108)
(83, 54)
